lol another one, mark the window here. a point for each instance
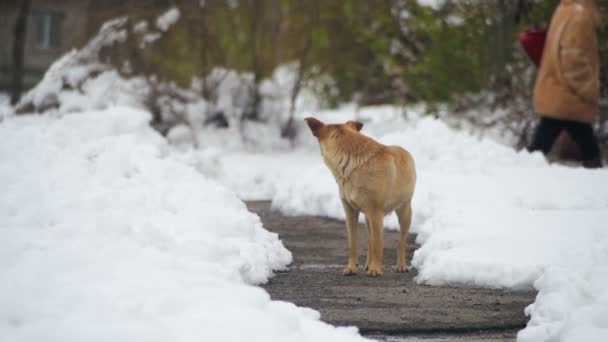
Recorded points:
(46, 27)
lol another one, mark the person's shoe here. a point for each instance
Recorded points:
(592, 163)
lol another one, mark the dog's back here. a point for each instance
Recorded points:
(384, 182)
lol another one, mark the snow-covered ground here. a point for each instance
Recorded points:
(96, 194)
(489, 216)
(107, 235)
(110, 232)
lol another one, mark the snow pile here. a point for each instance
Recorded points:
(107, 89)
(219, 121)
(104, 235)
(212, 112)
(73, 69)
(257, 176)
(167, 19)
(572, 304)
(79, 81)
(230, 96)
(489, 216)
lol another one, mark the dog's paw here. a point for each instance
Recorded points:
(350, 270)
(374, 271)
(402, 269)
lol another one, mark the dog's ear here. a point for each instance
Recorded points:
(355, 124)
(315, 125)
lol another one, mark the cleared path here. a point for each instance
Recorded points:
(390, 307)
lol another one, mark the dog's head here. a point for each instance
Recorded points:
(335, 140)
(322, 131)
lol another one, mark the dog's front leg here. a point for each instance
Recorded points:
(376, 218)
(352, 222)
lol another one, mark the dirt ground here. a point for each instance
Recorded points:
(392, 307)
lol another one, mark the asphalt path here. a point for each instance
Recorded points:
(392, 307)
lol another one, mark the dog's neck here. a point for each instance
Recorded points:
(346, 152)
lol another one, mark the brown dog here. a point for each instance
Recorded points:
(374, 179)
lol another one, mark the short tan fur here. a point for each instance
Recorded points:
(374, 179)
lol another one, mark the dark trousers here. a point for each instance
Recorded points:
(582, 133)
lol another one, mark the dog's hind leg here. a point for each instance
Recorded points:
(404, 214)
(352, 227)
(376, 218)
(369, 242)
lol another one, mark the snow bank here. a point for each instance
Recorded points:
(572, 304)
(80, 81)
(209, 113)
(489, 216)
(104, 235)
(231, 96)
(433, 145)
(263, 172)
(72, 69)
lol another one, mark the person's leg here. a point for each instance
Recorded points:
(545, 134)
(583, 135)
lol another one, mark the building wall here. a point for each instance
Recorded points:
(74, 17)
(79, 21)
(73, 20)
(7, 23)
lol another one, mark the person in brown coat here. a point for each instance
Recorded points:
(566, 92)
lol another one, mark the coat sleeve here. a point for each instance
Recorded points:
(576, 49)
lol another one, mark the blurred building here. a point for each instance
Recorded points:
(55, 27)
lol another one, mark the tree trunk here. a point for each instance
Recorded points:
(253, 112)
(19, 50)
(288, 130)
